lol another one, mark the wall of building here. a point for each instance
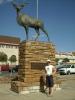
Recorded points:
(10, 46)
(70, 56)
(10, 50)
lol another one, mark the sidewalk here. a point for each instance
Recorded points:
(66, 93)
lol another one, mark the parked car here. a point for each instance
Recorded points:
(14, 69)
(66, 69)
(4, 67)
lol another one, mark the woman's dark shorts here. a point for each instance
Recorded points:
(49, 81)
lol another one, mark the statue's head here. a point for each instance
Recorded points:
(18, 7)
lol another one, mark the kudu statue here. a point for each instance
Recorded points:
(27, 21)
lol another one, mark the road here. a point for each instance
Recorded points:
(67, 92)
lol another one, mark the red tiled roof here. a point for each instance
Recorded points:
(9, 40)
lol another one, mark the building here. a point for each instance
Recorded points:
(10, 46)
(62, 55)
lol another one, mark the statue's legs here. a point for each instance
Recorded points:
(26, 29)
(45, 33)
(37, 31)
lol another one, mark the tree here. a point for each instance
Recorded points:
(56, 60)
(12, 59)
(3, 57)
(73, 53)
(65, 60)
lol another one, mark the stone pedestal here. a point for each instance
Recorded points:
(32, 59)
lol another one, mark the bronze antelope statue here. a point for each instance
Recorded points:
(28, 22)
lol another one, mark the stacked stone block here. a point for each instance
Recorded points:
(32, 59)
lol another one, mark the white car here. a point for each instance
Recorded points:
(66, 69)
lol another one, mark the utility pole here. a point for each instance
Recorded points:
(37, 9)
